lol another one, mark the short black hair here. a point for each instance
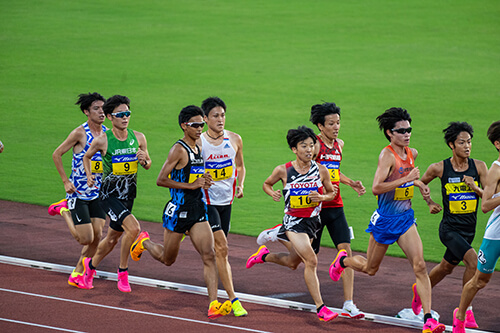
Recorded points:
(454, 129)
(212, 102)
(189, 112)
(294, 136)
(388, 119)
(494, 132)
(86, 100)
(113, 102)
(320, 111)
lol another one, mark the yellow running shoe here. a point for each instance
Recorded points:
(238, 309)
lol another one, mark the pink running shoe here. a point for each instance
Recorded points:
(88, 274)
(335, 269)
(256, 258)
(55, 208)
(123, 284)
(458, 325)
(76, 281)
(432, 326)
(416, 303)
(325, 314)
(470, 320)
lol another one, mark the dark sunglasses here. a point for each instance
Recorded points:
(401, 130)
(196, 125)
(121, 114)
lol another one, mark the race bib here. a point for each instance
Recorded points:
(404, 192)
(334, 170)
(462, 199)
(170, 209)
(299, 198)
(220, 170)
(195, 173)
(124, 164)
(96, 166)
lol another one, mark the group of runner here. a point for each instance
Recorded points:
(205, 171)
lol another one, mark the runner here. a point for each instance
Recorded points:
(222, 152)
(394, 219)
(183, 172)
(306, 184)
(80, 209)
(328, 151)
(122, 149)
(489, 252)
(461, 177)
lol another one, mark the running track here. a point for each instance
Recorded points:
(39, 300)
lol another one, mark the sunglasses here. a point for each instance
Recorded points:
(401, 130)
(196, 125)
(121, 114)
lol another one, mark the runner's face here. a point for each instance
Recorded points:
(120, 123)
(304, 150)
(95, 112)
(216, 119)
(192, 132)
(462, 145)
(399, 139)
(331, 127)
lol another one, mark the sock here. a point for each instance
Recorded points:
(341, 261)
(122, 269)
(348, 302)
(469, 308)
(234, 300)
(427, 316)
(264, 257)
(90, 264)
(320, 307)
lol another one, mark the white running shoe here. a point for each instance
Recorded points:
(268, 235)
(350, 310)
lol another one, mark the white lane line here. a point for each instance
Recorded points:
(130, 310)
(38, 325)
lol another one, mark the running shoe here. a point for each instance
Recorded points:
(238, 309)
(88, 274)
(269, 235)
(137, 247)
(470, 320)
(350, 310)
(433, 326)
(123, 284)
(325, 314)
(216, 309)
(416, 303)
(335, 269)
(58, 207)
(458, 325)
(75, 280)
(256, 258)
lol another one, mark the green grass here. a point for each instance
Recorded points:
(270, 61)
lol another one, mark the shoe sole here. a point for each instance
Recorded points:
(348, 315)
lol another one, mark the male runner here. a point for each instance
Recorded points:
(394, 220)
(122, 149)
(489, 252)
(183, 172)
(460, 177)
(306, 184)
(80, 209)
(222, 152)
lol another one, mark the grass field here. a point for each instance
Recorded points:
(270, 61)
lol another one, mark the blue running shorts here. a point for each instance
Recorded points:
(387, 229)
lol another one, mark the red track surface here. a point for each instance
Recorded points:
(30, 233)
